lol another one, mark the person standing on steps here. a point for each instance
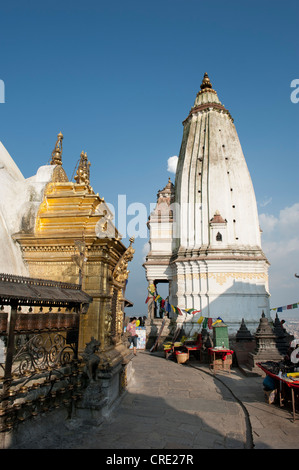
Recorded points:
(131, 329)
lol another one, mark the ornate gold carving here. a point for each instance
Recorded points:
(79, 257)
(104, 226)
(120, 272)
(59, 175)
(83, 171)
(107, 327)
(119, 314)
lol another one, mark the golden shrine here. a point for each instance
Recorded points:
(70, 243)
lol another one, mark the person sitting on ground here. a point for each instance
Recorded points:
(131, 329)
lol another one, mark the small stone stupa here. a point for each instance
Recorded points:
(282, 337)
(244, 345)
(266, 347)
(243, 334)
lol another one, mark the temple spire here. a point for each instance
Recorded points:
(206, 93)
(206, 84)
(57, 152)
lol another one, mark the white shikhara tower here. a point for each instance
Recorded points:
(214, 261)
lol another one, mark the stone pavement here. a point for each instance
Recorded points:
(180, 406)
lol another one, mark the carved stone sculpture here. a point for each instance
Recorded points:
(91, 359)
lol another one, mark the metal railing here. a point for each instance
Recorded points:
(39, 367)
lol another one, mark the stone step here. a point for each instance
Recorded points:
(248, 372)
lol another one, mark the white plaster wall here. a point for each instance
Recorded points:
(19, 203)
(223, 288)
(213, 176)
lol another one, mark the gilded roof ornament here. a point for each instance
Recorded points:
(57, 152)
(120, 272)
(59, 175)
(206, 82)
(83, 171)
(206, 85)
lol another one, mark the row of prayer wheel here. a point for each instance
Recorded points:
(40, 322)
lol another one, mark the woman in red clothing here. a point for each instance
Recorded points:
(131, 329)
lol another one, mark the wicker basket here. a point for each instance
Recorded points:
(182, 357)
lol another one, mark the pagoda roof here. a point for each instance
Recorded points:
(217, 219)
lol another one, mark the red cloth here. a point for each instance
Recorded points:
(223, 352)
(289, 384)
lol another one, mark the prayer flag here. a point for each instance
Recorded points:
(286, 307)
(195, 311)
(200, 320)
(176, 310)
(151, 289)
(191, 310)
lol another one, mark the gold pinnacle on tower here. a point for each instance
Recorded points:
(83, 171)
(206, 85)
(206, 82)
(57, 152)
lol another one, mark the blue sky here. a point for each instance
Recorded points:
(119, 77)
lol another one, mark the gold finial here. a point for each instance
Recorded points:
(57, 152)
(83, 172)
(206, 84)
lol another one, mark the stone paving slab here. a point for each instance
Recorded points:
(272, 427)
(179, 406)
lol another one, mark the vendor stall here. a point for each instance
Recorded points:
(220, 358)
(181, 349)
(286, 383)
